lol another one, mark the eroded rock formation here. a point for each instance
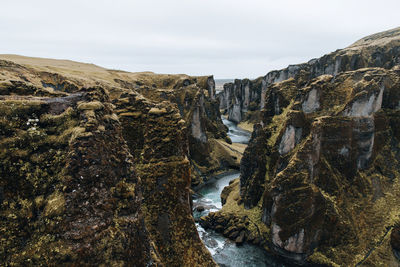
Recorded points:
(378, 50)
(241, 99)
(320, 178)
(197, 105)
(92, 172)
(161, 135)
(70, 192)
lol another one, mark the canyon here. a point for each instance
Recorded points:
(95, 173)
(100, 167)
(319, 178)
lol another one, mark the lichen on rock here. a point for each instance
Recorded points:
(55, 205)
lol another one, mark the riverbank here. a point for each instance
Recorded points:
(207, 200)
(225, 251)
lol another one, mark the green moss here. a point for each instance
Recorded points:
(319, 258)
(39, 201)
(278, 124)
(55, 205)
(232, 206)
(131, 114)
(94, 105)
(20, 107)
(62, 120)
(73, 133)
(157, 111)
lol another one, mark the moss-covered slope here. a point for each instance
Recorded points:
(321, 174)
(69, 193)
(92, 173)
(158, 136)
(197, 105)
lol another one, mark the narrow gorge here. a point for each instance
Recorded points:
(320, 176)
(104, 167)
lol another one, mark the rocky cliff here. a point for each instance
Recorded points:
(319, 180)
(195, 98)
(378, 50)
(241, 99)
(92, 172)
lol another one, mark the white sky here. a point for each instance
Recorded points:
(227, 38)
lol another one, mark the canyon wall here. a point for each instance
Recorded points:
(378, 50)
(92, 172)
(241, 98)
(319, 180)
(198, 106)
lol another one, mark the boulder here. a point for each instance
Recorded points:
(241, 238)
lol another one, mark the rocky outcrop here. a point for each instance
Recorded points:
(325, 175)
(240, 98)
(92, 175)
(239, 225)
(194, 96)
(164, 168)
(319, 179)
(254, 163)
(378, 50)
(198, 106)
(69, 190)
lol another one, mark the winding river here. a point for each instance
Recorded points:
(224, 251)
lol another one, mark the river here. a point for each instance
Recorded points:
(224, 251)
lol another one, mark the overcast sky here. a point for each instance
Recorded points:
(227, 38)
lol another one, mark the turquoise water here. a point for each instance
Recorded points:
(237, 134)
(224, 251)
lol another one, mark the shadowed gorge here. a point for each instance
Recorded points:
(320, 177)
(103, 167)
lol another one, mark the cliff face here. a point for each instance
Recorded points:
(69, 190)
(240, 98)
(329, 182)
(197, 104)
(320, 178)
(378, 50)
(163, 165)
(91, 171)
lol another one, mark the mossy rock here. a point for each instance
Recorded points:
(55, 205)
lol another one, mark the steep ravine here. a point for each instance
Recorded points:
(98, 166)
(208, 199)
(319, 179)
(93, 173)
